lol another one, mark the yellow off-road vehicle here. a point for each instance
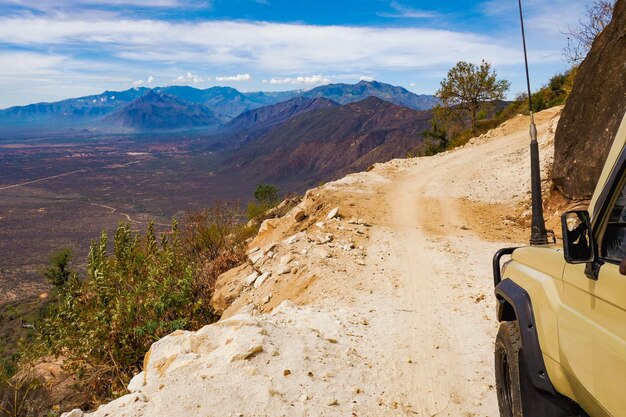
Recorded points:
(561, 347)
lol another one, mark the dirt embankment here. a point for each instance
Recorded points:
(383, 308)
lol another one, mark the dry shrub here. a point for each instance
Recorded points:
(23, 395)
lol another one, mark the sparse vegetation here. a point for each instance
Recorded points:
(145, 288)
(450, 129)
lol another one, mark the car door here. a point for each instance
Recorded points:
(592, 324)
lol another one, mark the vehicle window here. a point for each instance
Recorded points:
(614, 242)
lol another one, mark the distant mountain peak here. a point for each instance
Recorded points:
(160, 111)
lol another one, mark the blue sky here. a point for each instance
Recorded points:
(50, 50)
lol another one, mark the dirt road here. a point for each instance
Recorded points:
(439, 321)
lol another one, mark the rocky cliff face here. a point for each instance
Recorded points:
(593, 112)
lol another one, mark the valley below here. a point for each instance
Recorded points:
(62, 188)
(56, 195)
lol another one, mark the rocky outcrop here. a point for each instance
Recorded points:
(593, 112)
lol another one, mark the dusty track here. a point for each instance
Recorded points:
(440, 313)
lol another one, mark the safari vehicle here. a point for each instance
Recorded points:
(561, 346)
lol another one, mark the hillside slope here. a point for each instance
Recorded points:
(266, 116)
(331, 142)
(383, 309)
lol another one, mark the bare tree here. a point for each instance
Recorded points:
(580, 38)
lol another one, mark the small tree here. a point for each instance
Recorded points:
(266, 194)
(579, 39)
(469, 88)
(58, 273)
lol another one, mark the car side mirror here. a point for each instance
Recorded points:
(578, 243)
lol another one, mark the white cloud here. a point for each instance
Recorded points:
(141, 82)
(29, 64)
(238, 77)
(412, 84)
(303, 79)
(401, 11)
(265, 47)
(366, 78)
(189, 78)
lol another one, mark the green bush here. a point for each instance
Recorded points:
(142, 290)
(58, 272)
(131, 298)
(266, 194)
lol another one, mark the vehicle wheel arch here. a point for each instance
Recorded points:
(515, 304)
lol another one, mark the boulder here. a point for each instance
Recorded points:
(593, 112)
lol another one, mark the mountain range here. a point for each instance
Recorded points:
(177, 108)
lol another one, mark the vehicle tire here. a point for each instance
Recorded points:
(517, 396)
(507, 354)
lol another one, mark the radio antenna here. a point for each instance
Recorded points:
(538, 234)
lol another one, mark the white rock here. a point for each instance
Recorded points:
(270, 247)
(74, 413)
(333, 213)
(285, 259)
(325, 238)
(321, 254)
(260, 280)
(137, 383)
(251, 278)
(291, 239)
(256, 257)
(267, 226)
(319, 224)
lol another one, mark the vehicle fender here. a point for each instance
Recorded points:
(514, 303)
